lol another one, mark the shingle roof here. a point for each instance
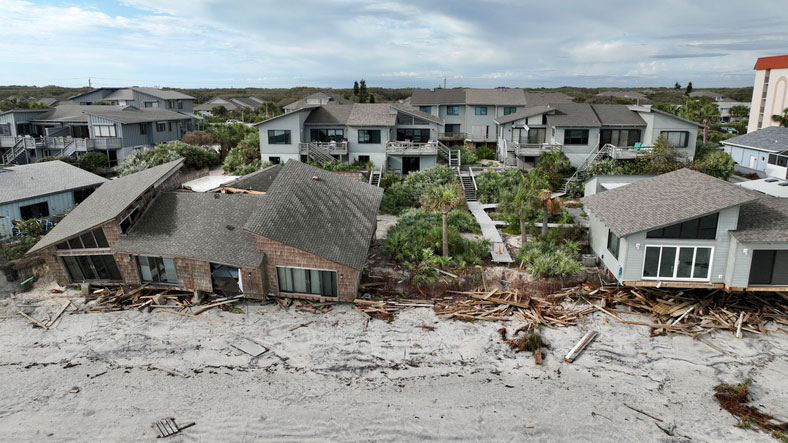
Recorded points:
(763, 220)
(371, 114)
(617, 115)
(664, 200)
(247, 102)
(38, 179)
(256, 181)
(71, 113)
(438, 97)
(623, 94)
(415, 112)
(541, 98)
(332, 217)
(200, 226)
(573, 114)
(135, 115)
(335, 98)
(497, 96)
(106, 203)
(330, 114)
(166, 94)
(121, 94)
(772, 138)
(529, 111)
(304, 109)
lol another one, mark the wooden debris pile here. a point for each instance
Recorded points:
(119, 298)
(525, 338)
(385, 309)
(693, 312)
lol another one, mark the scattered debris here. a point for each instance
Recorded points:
(644, 413)
(106, 298)
(426, 327)
(526, 338)
(250, 347)
(302, 325)
(732, 398)
(167, 427)
(578, 349)
(169, 371)
(33, 321)
(74, 390)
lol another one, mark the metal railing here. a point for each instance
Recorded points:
(452, 135)
(410, 148)
(330, 148)
(534, 149)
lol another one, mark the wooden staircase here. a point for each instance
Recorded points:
(13, 153)
(374, 176)
(595, 155)
(451, 155)
(314, 152)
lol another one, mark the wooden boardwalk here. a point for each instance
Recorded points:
(490, 232)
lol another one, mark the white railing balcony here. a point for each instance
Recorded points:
(104, 143)
(534, 149)
(629, 153)
(456, 136)
(331, 148)
(410, 148)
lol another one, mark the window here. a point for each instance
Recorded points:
(480, 110)
(679, 139)
(327, 135)
(535, 136)
(452, 128)
(89, 240)
(91, 267)
(778, 159)
(104, 130)
(427, 109)
(452, 110)
(576, 136)
(161, 127)
(307, 281)
(769, 267)
(278, 137)
(126, 223)
(36, 210)
(157, 269)
(180, 104)
(369, 135)
(704, 228)
(677, 263)
(143, 128)
(612, 243)
(509, 110)
(169, 126)
(363, 159)
(171, 104)
(151, 104)
(414, 135)
(275, 160)
(619, 137)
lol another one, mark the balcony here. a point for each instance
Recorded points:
(410, 148)
(534, 149)
(629, 153)
(452, 136)
(331, 148)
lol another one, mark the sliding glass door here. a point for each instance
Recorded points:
(307, 281)
(91, 267)
(677, 263)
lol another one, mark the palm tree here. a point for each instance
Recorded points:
(782, 120)
(519, 202)
(548, 205)
(442, 199)
(700, 110)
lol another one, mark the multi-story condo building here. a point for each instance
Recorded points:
(469, 114)
(137, 97)
(770, 92)
(393, 137)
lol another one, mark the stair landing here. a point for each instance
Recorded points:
(490, 232)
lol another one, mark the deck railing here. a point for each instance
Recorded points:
(331, 148)
(410, 148)
(534, 149)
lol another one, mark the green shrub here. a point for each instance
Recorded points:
(92, 161)
(195, 157)
(716, 164)
(405, 193)
(485, 153)
(245, 157)
(467, 156)
(344, 166)
(388, 180)
(490, 184)
(545, 259)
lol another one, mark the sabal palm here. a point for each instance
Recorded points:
(442, 199)
(519, 202)
(548, 205)
(781, 119)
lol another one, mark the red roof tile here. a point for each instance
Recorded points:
(776, 62)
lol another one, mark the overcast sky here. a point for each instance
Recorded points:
(330, 43)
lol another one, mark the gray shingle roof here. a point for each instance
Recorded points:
(635, 95)
(256, 181)
(371, 114)
(529, 111)
(247, 102)
(541, 98)
(573, 114)
(407, 109)
(200, 226)
(332, 97)
(106, 203)
(438, 97)
(469, 96)
(304, 109)
(330, 114)
(772, 138)
(166, 94)
(664, 200)
(332, 217)
(71, 113)
(38, 179)
(121, 94)
(763, 220)
(617, 115)
(134, 115)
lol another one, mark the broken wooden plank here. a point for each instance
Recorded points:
(213, 305)
(578, 348)
(62, 310)
(34, 321)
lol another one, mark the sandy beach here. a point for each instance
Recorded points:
(90, 378)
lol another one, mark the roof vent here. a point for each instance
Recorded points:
(770, 180)
(230, 227)
(316, 178)
(783, 184)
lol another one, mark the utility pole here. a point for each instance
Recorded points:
(89, 84)
(444, 82)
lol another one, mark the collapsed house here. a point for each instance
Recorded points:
(686, 229)
(307, 236)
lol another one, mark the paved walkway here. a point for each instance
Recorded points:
(490, 232)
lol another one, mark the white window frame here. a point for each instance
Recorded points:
(335, 271)
(104, 131)
(676, 263)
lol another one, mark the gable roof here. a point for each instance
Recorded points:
(131, 114)
(200, 226)
(663, 200)
(438, 96)
(528, 111)
(541, 98)
(770, 138)
(763, 220)
(39, 179)
(371, 114)
(125, 93)
(332, 216)
(623, 94)
(330, 114)
(469, 96)
(107, 202)
(774, 62)
(166, 94)
(617, 115)
(320, 96)
(286, 114)
(256, 181)
(573, 114)
(410, 110)
(71, 113)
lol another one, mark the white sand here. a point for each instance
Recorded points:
(331, 381)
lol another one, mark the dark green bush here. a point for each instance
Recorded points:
(546, 259)
(485, 153)
(405, 194)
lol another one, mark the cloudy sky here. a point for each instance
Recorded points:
(330, 43)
